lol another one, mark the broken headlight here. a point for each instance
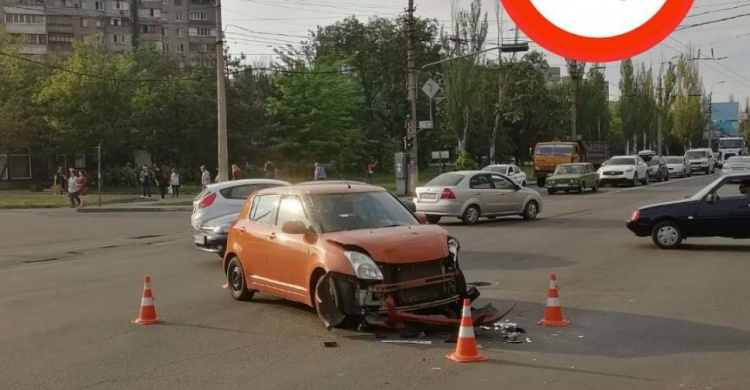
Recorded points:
(453, 248)
(364, 267)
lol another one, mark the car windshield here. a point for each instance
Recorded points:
(496, 168)
(675, 160)
(554, 150)
(362, 210)
(569, 170)
(648, 157)
(621, 161)
(731, 144)
(446, 180)
(702, 193)
(696, 154)
(738, 160)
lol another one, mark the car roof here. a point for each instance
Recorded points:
(572, 164)
(326, 187)
(235, 183)
(745, 176)
(646, 152)
(613, 157)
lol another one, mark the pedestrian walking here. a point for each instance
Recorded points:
(82, 188)
(236, 172)
(146, 181)
(161, 180)
(205, 177)
(369, 170)
(270, 169)
(174, 181)
(73, 188)
(60, 182)
(320, 172)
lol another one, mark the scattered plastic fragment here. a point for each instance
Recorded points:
(422, 342)
(528, 340)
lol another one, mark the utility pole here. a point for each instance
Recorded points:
(411, 132)
(575, 68)
(221, 98)
(134, 16)
(659, 117)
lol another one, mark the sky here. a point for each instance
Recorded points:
(254, 27)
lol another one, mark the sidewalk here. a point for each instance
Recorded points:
(184, 203)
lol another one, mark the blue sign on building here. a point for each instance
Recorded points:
(725, 118)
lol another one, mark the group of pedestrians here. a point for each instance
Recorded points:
(166, 179)
(320, 171)
(75, 184)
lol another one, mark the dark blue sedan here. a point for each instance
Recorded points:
(722, 209)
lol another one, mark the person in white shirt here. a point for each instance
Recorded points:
(73, 189)
(205, 176)
(174, 181)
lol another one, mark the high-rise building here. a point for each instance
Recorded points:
(184, 28)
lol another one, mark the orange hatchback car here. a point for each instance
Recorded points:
(351, 251)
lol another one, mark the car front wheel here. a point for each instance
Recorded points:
(667, 235)
(433, 219)
(236, 281)
(531, 210)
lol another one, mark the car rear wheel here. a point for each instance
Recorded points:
(524, 184)
(645, 180)
(236, 281)
(635, 180)
(471, 215)
(551, 191)
(581, 187)
(595, 187)
(433, 219)
(540, 183)
(531, 210)
(667, 235)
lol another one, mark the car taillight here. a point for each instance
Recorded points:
(636, 215)
(207, 200)
(447, 194)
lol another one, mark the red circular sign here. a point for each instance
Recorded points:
(608, 49)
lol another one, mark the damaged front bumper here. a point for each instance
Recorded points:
(340, 296)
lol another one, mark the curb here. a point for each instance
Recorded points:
(133, 209)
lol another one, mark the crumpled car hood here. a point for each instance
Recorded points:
(396, 245)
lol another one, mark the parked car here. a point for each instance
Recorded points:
(657, 167)
(510, 170)
(220, 199)
(736, 164)
(349, 251)
(470, 195)
(722, 209)
(678, 166)
(702, 160)
(212, 235)
(572, 177)
(623, 170)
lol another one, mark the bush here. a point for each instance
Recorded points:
(464, 162)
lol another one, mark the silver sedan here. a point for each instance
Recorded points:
(470, 195)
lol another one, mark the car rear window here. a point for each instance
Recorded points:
(621, 161)
(696, 154)
(446, 180)
(675, 160)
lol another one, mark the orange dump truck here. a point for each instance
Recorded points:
(548, 155)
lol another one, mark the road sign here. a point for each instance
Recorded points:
(443, 154)
(598, 30)
(430, 88)
(426, 125)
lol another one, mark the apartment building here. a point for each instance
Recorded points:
(185, 28)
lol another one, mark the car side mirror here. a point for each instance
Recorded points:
(421, 217)
(711, 198)
(294, 227)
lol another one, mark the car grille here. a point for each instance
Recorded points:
(613, 173)
(396, 273)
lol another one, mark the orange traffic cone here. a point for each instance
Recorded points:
(553, 313)
(148, 310)
(466, 348)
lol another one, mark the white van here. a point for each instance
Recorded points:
(703, 160)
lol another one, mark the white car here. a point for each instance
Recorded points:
(736, 164)
(678, 166)
(623, 170)
(220, 199)
(509, 170)
(702, 160)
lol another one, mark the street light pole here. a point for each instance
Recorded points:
(221, 98)
(411, 131)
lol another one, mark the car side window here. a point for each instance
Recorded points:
(502, 183)
(291, 208)
(480, 182)
(241, 192)
(729, 190)
(263, 210)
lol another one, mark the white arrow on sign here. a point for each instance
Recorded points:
(431, 87)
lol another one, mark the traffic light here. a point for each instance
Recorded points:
(408, 142)
(408, 117)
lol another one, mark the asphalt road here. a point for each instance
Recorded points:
(642, 318)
